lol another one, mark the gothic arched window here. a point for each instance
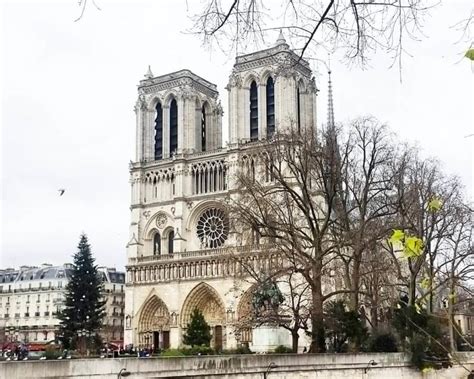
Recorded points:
(253, 112)
(203, 128)
(171, 242)
(157, 244)
(270, 107)
(159, 132)
(298, 108)
(173, 126)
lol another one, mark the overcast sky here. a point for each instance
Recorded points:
(68, 89)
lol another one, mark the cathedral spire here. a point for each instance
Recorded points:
(149, 74)
(281, 40)
(331, 122)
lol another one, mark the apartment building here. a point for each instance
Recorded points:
(31, 297)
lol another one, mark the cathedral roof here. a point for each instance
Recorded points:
(175, 79)
(280, 54)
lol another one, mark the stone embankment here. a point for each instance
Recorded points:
(284, 366)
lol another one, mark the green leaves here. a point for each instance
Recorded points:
(412, 246)
(435, 204)
(470, 54)
(397, 238)
(425, 283)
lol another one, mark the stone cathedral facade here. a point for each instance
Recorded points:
(181, 244)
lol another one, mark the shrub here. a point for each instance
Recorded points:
(383, 343)
(51, 353)
(198, 350)
(281, 349)
(239, 350)
(172, 353)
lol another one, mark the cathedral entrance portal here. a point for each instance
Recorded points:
(207, 300)
(153, 326)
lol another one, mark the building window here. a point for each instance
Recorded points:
(157, 244)
(212, 228)
(270, 107)
(173, 127)
(298, 108)
(159, 132)
(171, 242)
(253, 112)
(203, 128)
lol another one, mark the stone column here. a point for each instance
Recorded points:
(138, 132)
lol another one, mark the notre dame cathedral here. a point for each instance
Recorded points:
(181, 244)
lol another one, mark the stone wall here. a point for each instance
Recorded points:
(285, 366)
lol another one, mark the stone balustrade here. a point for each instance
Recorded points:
(201, 264)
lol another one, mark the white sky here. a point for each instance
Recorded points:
(68, 89)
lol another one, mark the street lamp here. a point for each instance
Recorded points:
(270, 367)
(369, 365)
(123, 373)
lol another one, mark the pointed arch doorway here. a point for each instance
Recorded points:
(154, 325)
(207, 300)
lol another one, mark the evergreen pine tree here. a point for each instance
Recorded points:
(83, 308)
(198, 331)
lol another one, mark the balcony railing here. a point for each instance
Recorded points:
(200, 253)
(205, 264)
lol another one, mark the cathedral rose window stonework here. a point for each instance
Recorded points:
(213, 228)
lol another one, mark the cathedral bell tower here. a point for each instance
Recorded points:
(269, 91)
(176, 113)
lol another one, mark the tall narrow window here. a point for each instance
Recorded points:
(298, 108)
(157, 244)
(253, 112)
(159, 132)
(270, 107)
(173, 127)
(203, 128)
(171, 242)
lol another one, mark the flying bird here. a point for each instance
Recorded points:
(61, 191)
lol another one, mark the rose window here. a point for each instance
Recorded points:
(213, 228)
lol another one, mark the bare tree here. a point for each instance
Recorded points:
(357, 27)
(365, 201)
(287, 192)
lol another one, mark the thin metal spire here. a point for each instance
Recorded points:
(331, 122)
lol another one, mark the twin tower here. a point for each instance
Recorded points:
(179, 113)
